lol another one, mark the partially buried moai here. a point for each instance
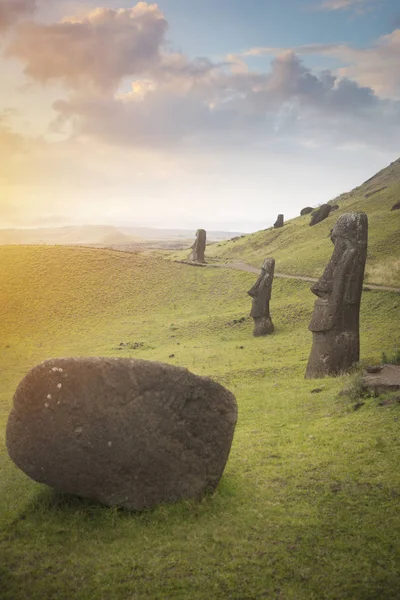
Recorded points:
(199, 247)
(279, 222)
(335, 321)
(261, 294)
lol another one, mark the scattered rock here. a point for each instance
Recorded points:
(386, 380)
(334, 207)
(390, 401)
(124, 432)
(396, 206)
(306, 211)
(321, 214)
(317, 390)
(171, 356)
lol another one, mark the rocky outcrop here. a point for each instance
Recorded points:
(121, 431)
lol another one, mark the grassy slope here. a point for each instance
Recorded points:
(303, 250)
(308, 505)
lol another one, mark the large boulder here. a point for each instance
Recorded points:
(121, 431)
(321, 214)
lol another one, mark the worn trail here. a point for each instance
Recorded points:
(244, 267)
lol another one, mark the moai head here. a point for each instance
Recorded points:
(261, 294)
(335, 321)
(199, 246)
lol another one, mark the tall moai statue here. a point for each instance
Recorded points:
(335, 321)
(261, 294)
(279, 222)
(199, 247)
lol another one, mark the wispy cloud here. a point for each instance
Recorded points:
(359, 6)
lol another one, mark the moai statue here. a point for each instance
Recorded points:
(279, 222)
(199, 247)
(335, 321)
(261, 294)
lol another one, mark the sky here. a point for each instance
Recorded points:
(215, 114)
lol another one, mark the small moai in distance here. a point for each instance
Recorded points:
(279, 222)
(199, 247)
(306, 210)
(261, 294)
(335, 321)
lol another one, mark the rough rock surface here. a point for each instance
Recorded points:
(261, 294)
(306, 210)
(335, 320)
(199, 247)
(334, 207)
(396, 206)
(385, 380)
(121, 431)
(280, 221)
(321, 214)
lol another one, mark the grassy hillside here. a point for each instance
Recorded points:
(303, 250)
(308, 504)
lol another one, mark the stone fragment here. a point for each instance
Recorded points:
(385, 380)
(335, 321)
(199, 246)
(124, 432)
(261, 294)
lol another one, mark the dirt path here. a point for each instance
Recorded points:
(239, 266)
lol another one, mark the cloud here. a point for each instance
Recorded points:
(359, 6)
(376, 67)
(13, 10)
(98, 50)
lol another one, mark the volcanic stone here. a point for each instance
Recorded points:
(121, 431)
(279, 222)
(335, 321)
(199, 246)
(321, 214)
(396, 206)
(306, 211)
(387, 379)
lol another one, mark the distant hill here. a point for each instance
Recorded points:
(302, 250)
(69, 235)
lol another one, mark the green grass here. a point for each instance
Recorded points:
(308, 504)
(303, 250)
